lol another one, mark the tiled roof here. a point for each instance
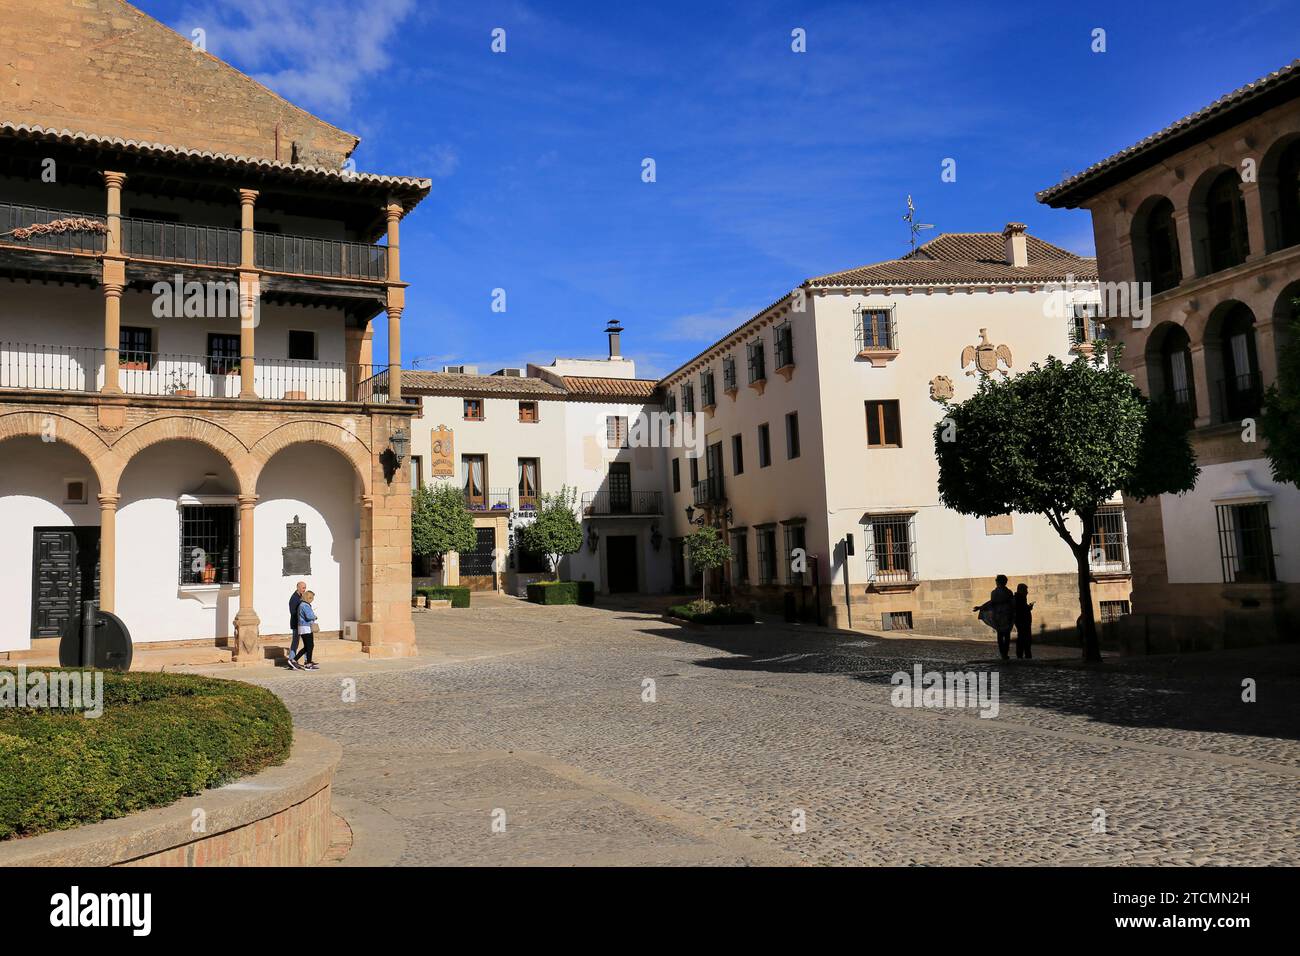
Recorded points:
(593, 387)
(410, 189)
(1264, 93)
(456, 384)
(966, 258)
(984, 247)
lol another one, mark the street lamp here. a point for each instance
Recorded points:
(400, 441)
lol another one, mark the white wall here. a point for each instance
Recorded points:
(32, 474)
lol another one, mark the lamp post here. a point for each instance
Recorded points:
(400, 442)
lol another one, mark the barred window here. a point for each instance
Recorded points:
(891, 548)
(876, 330)
(1246, 543)
(740, 556)
(209, 539)
(616, 431)
(729, 373)
(783, 345)
(757, 361)
(766, 555)
(706, 388)
(1113, 610)
(688, 398)
(794, 541)
(1109, 551)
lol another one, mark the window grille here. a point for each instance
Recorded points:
(209, 537)
(891, 549)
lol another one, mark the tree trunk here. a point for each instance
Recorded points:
(1091, 645)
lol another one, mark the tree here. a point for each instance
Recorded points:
(1279, 420)
(1061, 439)
(555, 531)
(707, 550)
(439, 521)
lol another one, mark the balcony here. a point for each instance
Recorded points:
(149, 240)
(709, 492)
(1240, 396)
(81, 369)
(605, 503)
(493, 500)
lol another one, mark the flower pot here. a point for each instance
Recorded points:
(209, 574)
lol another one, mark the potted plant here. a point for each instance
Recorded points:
(180, 383)
(209, 573)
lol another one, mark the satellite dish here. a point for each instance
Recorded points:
(112, 646)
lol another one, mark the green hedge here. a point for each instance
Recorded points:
(562, 592)
(457, 595)
(719, 615)
(161, 737)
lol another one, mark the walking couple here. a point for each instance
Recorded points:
(1003, 610)
(302, 624)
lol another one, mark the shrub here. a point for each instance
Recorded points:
(161, 737)
(458, 595)
(706, 612)
(563, 592)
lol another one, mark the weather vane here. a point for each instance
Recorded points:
(914, 226)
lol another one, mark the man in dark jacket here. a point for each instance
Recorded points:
(999, 613)
(294, 600)
(1024, 621)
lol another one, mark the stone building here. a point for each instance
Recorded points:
(191, 417)
(1199, 226)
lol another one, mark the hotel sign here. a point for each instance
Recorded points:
(442, 453)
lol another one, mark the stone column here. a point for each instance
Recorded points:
(396, 301)
(247, 639)
(394, 354)
(114, 281)
(249, 293)
(1202, 386)
(107, 550)
(1250, 194)
(1183, 228)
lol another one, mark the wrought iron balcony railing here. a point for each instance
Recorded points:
(494, 499)
(709, 491)
(622, 503)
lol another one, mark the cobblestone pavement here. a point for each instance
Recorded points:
(538, 712)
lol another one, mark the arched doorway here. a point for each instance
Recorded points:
(1157, 257)
(1232, 361)
(1169, 368)
(307, 527)
(49, 510)
(1279, 180)
(1218, 213)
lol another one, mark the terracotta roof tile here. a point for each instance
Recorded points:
(593, 387)
(451, 383)
(965, 258)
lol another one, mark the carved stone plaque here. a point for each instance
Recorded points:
(941, 388)
(442, 453)
(297, 556)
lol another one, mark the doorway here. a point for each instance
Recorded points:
(621, 564)
(477, 567)
(65, 572)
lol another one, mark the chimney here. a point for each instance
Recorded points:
(1016, 245)
(612, 330)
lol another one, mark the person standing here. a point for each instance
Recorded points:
(295, 599)
(999, 612)
(1024, 622)
(307, 628)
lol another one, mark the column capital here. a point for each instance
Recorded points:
(108, 501)
(246, 501)
(114, 180)
(113, 290)
(394, 312)
(248, 197)
(393, 210)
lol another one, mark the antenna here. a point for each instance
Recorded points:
(913, 226)
(417, 362)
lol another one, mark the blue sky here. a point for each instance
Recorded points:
(772, 166)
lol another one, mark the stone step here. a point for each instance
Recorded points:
(326, 649)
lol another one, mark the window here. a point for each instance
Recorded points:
(739, 556)
(1109, 551)
(1155, 247)
(619, 482)
(473, 409)
(883, 427)
(764, 446)
(875, 331)
(695, 471)
(74, 491)
(616, 431)
(688, 398)
(208, 539)
(1112, 611)
(783, 345)
(1225, 215)
(670, 402)
(135, 348)
(706, 388)
(677, 475)
(757, 362)
(223, 353)
(1176, 370)
(302, 346)
(729, 374)
(792, 435)
(417, 472)
(766, 555)
(1246, 543)
(794, 541)
(473, 471)
(896, 621)
(737, 455)
(529, 483)
(1085, 324)
(1241, 391)
(528, 411)
(890, 553)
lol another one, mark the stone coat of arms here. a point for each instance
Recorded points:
(940, 388)
(986, 357)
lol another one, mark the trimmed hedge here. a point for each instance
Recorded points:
(161, 737)
(563, 592)
(458, 595)
(719, 615)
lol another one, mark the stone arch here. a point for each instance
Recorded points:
(1232, 368)
(1153, 238)
(68, 431)
(185, 428)
(1279, 192)
(345, 442)
(1217, 214)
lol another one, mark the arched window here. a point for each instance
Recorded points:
(1172, 378)
(1287, 228)
(1225, 220)
(1155, 246)
(1240, 391)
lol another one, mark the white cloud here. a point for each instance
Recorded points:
(313, 52)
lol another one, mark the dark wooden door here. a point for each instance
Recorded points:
(65, 572)
(476, 566)
(620, 560)
(620, 487)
